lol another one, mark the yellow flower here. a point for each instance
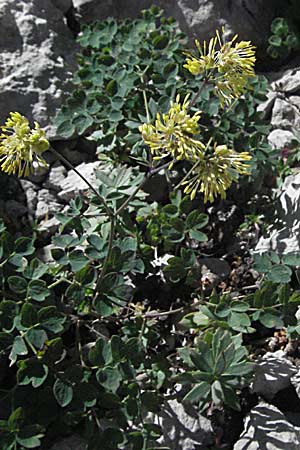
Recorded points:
(230, 65)
(20, 146)
(215, 172)
(172, 134)
(206, 61)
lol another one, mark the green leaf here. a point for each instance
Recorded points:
(271, 320)
(110, 378)
(63, 392)
(51, 319)
(198, 236)
(29, 315)
(77, 260)
(66, 129)
(37, 337)
(280, 274)
(262, 263)
(196, 220)
(36, 269)
(32, 372)
(17, 284)
(82, 123)
(19, 348)
(239, 321)
(38, 290)
(291, 259)
(24, 246)
(29, 436)
(199, 392)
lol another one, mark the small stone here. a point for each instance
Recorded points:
(285, 115)
(281, 139)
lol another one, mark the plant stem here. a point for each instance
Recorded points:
(105, 262)
(151, 172)
(196, 96)
(70, 165)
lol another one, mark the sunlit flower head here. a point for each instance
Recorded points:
(228, 64)
(216, 171)
(206, 59)
(173, 133)
(20, 146)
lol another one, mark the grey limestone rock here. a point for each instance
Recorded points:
(183, 427)
(251, 19)
(281, 138)
(57, 174)
(287, 81)
(283, 235)
(73, 185)
(47, 204)
(286, 114)
(267, 428)
(272, 374)
(30, 191)
(36, 58)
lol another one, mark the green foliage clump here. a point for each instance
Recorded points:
(125, 64)
(283, 41)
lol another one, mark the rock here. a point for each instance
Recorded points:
(36, 57)
(281, 139)
(63, 5)
(267, 428)
(47, 204)
(73, 185)
(56, 176)
(272, 374)
(15, 209)
(266, 106)
(30, 191)
(295, 380)
(285, 114)
(287, 81)
(251, 19)
(283, 236)
(48, 227)
(183, 427)
(73, 442)
(213, 270)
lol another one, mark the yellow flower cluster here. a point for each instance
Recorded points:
(173, 133)
(20, 146)
(214, 173)
(176, 135)
(231, 64)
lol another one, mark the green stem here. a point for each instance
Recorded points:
(70, 165)
(143, 182)
(196, 96)
(105, 263)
